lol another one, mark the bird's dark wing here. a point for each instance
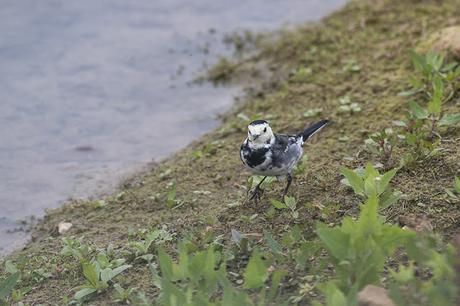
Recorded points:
(282, 149)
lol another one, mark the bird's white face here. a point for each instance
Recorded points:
(260, 134)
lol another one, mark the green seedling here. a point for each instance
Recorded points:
(124, 295)
(382, 144)
(312, 112)
(97, 279)
(171, 197)
(6, 287)
(347, 106)
(75, 248)
(144, 249)
(454, 193)
(429, 67)
(369, 182)
(289, 203)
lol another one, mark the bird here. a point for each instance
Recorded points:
(266, 153)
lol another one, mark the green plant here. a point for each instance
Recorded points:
(171, 197)
(143, 249)
(429, 277)
(289, 203)
(97, 279)
(198, 277)
(454, 193)
(438, 83)
(358, 250)
(75, 248)
(428, 67)
(368, 183)
(382, 144)
(347, 106)
(6, 287)
(124, 295)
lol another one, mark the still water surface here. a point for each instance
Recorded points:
(90, 90)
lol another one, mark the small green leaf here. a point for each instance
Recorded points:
(417, 110)
(449, 119)
(8, 284)
(256, 272)
(355, 181)
(90, 273)
(385, 180)
(84, 292)
(272, 243)
(106, 275)
(336, 241)
(10, 267)
(457, 185)
(277, 204)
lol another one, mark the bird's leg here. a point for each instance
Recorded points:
(256, 193)
(289, 181)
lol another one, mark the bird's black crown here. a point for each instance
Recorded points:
(256, 122)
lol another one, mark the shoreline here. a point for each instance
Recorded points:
(362, 52)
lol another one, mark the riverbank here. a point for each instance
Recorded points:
(350, 69)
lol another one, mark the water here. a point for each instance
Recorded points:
(90, 90)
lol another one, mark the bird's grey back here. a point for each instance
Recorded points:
(287, 150)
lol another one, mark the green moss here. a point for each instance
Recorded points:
(310, 67)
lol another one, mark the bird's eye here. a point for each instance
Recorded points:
(265, 129)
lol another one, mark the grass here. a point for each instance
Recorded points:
(352, 67)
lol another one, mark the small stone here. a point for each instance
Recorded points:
(445, 40)
(63, 227)
(374, 296)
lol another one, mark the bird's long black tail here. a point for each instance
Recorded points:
(313, 129)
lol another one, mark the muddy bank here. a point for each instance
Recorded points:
(358, 56)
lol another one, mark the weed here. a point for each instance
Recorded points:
(6, 287)
(454, 193)
(382, 144)
(97, 278)
(358, 249)
(369, 182)
(289, 203)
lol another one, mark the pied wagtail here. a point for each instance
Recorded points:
(268, 154)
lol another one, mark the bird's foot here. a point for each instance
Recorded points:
(256, 193)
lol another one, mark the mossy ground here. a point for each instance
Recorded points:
(374, 36)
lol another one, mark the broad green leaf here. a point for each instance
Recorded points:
(336, 241)
(417, 110)
(368, 223)
(166, 264)
(8, 284)
(275, 247)
(290, 202)
(90, 273)
(84, 292)
(106, 275)
(334, 297)
(370, 187)
(385, 180)
(256, 272)
(10, 267)
(355, 181)
(276, 280)
(449, 119)
(277, 204)
(119, 270)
